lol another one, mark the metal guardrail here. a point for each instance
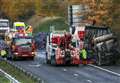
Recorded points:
(21, 69)
(12, 80)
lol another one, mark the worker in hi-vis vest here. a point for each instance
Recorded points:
(83, 54)
(3, 53)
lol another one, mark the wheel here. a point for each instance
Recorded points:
(31, 58)
(47, 61)
(53, 61)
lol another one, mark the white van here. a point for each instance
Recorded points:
(4, 26)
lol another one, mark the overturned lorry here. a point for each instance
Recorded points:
(59, 49)
(100, 43)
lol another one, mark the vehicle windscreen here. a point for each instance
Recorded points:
(20, 27)
(23, 42)
(4, 24)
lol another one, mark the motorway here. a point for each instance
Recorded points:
(67, 74)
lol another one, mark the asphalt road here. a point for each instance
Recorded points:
(66, 74)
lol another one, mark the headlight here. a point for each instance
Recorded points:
(33, 52)
(26, 34)
(16, 53)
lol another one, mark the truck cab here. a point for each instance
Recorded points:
(59, 49)
(23, 47)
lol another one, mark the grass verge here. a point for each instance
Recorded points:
(4, 79)
(17, 74)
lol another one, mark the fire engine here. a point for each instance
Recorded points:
(22, 44)
(59, 49)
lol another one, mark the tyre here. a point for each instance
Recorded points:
(47, 61)
(31, 58)
(53, 61)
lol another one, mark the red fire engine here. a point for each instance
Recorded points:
(59, 49)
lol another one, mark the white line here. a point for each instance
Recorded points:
(13, 80)
(114, 73)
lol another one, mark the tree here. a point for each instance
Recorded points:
(17, 9)
(99, 10)
(38, 6)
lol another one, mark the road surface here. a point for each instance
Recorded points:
(66, 74)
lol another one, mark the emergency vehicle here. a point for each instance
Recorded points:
(22, 45)
(59, 49)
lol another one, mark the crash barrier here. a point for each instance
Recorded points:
(40, 40)
(12, 80)
(29, 74)
(26, 72)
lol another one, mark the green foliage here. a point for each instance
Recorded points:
(59, 24)
(16, 9)
(3, 79)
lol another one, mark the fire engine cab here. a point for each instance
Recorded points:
(23, 46)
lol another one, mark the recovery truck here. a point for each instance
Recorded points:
(100, 42)
(22, 45)
(59, 49)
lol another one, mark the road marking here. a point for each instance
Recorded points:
(109, 71)
(89, 81)
(76, 75)
(12, 79)
(64, 69)
(37, 65)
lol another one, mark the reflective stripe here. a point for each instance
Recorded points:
(19, 24)
(58, 53)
